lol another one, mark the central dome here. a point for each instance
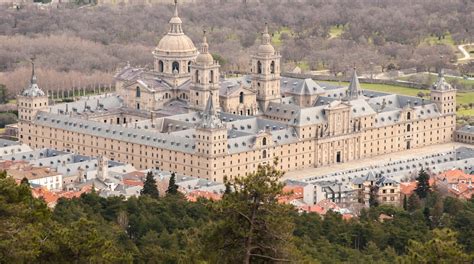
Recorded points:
(176, 43)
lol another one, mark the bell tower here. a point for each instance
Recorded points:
(444, 95)
(32, 99)
(204, 79)
(266, 72)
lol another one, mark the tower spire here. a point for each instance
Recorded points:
(209, 115)
(204, 45)
(354, 89)
(265, 35)
(175, 8)
(175, 21)
(33, 75)
(209, 110)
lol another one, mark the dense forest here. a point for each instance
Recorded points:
(85, 46)
(246, 226)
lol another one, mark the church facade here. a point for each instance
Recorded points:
(183, 116)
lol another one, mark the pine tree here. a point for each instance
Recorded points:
(149, 188)
(373, 196)
(172, 187)
(25, 181)
(423, 184)
(257, 228)
(405, 203)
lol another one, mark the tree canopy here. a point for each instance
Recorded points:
(247, 225)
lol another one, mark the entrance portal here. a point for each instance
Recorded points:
(338, 157)
(408, 144)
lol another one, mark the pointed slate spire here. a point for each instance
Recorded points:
(209, 116)
(33, 89)
(354, 89)
(209, 110)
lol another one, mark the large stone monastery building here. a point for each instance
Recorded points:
(183, 116)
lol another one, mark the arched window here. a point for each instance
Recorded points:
(408, 116)
(264, 141)
(259, 67)
(189, 66)
(197, 76)
(175, 67)
(161, 66)
(138, 93)
(264, 154)
(211, 77)
(408, 128)
(272, 67)
(241, 97)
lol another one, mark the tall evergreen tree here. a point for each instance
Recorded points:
(373, 196)
(25, 181)
(172, 187)
(422, 184)
(405, 203)
(257, 228)
(149, 188)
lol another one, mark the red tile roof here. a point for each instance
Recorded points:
(130, 182)
(455, 176)
(49, 197)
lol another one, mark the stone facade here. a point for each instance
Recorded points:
(465, 134)
(196, 123)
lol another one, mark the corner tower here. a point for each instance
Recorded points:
(174, 53)
(266, 72)
(31, 100)
(211, 133)
(444, 95)
(204, 79)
